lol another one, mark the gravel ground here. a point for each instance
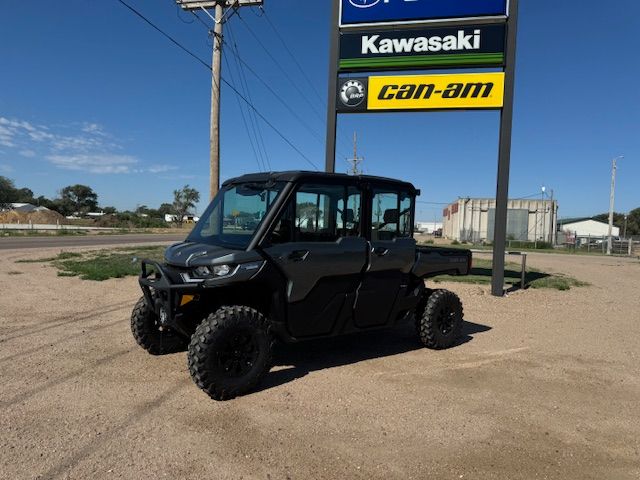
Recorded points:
(544, 384)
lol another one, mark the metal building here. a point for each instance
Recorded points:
(472, 220)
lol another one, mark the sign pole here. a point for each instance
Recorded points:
(332, 117)
(504, 156)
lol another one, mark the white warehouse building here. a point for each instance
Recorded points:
(586, 227)
(472, 220)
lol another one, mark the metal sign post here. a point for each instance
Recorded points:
(504, 156)
(332, 115)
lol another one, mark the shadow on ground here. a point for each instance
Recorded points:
(313, 355)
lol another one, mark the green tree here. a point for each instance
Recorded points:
(184, 200)
(7, 192)
(78, 199)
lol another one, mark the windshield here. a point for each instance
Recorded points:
(234, 215)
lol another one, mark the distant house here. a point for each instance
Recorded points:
(428, 227)
(27, 208)
(186, 219)
(586, 227)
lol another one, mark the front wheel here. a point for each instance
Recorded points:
(439, 320)
(230, 352)
(150, 335)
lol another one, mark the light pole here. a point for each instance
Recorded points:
(614, 167)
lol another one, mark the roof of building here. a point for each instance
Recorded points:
(567, 221)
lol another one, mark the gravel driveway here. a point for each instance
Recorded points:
(544, 384)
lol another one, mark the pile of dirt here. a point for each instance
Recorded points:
(47, 217)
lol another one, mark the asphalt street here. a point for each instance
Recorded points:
(12, 243)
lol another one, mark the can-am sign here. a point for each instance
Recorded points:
(421, 92)
(365, 12)
(466, 46)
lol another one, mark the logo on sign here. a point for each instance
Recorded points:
(424, 92)
(352, 93)
(359, 12)
(364, 3)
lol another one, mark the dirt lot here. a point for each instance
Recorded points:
(545, 384)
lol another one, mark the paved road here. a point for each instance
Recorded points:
(8, 243)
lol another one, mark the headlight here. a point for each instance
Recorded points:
(221, 270)
(215, 271)
(202, 272)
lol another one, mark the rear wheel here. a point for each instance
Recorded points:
(150, 335)
(230, 352)
(439, 320)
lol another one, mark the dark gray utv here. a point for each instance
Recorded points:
(292, 256)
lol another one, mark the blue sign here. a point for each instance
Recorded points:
(358, 12)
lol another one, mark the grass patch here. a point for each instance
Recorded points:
(104, 264)
(36, 260)
(482, 270)
(14, 272)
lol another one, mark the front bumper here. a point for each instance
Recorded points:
(163, 292)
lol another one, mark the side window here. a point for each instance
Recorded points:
(316, 213)
(384, 215)
(405, 215)
(390, 215)
(349, 215)
(320, 213)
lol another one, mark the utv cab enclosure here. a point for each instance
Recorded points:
(291, 256)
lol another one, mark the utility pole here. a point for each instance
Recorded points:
(356, 160)
(614, 167)
(544, 215)
(552, 231)
(214, 129)
(220, 8)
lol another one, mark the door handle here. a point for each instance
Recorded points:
(298, 255)
(380, 251)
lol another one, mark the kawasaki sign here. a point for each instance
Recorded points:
(467, 46)
(368, 12)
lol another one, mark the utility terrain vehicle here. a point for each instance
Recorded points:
(292, 256)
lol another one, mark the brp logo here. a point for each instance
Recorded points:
(352, 93)
(364, 3)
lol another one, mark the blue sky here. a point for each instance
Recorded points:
(91, 94)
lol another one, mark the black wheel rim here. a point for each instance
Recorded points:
(445, 320)
(237, 354)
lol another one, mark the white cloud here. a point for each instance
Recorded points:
(4, 168)
(161, 168)
(27, 153)
(98, 163)
(82, 147)
(93, 128)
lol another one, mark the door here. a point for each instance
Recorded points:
(318, 245)
(391, 255)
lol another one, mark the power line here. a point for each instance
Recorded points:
(293, 57)
(235, 52)
(244, 121)
(247, 91)
(281, 68)
(169, 37)
(208, 67)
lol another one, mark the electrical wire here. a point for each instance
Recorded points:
(228, 84)
(247, 91)
(244, 121)
(282, 69)
(291, 55)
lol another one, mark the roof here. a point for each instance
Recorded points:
(27, 207)
(567, 221)
(298, 175)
